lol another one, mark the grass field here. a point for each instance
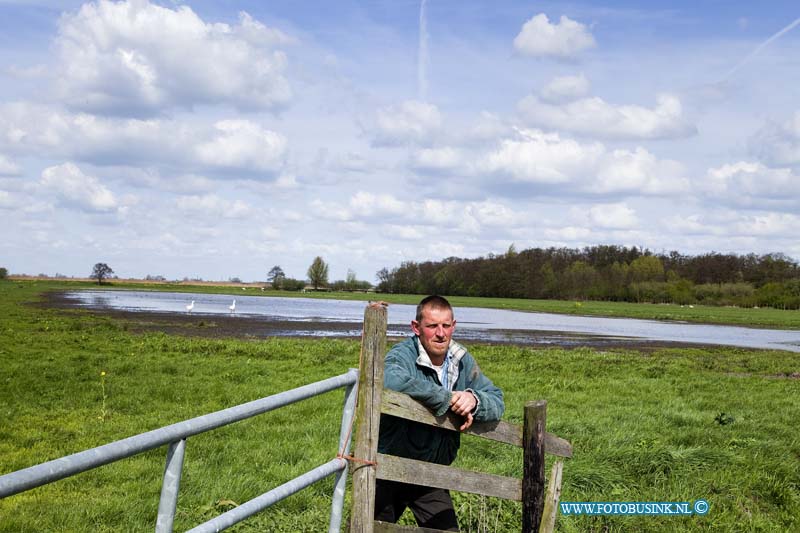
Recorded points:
(663, 425)
(760, 317)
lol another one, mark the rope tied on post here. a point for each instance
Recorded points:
(350, 458)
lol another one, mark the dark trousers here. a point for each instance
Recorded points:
(432, 508)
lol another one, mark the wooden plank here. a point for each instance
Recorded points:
(551, 499)
(388, 527)
(555, 445)
(533, 465)
(370, 385)
(447, 477)
(403, 406)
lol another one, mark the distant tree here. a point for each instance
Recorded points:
(276, 276)
(406, 278)
(385, 280)
(3, 272)
(550, 288)
(100, 272)
(647, 268)
(447, 280)
(680, 291)
(579, 279)
(318, 272)
(616, 276)
(351, 283)
(291, 284)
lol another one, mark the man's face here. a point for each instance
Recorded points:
(434, 331)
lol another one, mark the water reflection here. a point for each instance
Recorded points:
(473, 323)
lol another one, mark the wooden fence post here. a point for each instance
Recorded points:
(552, 498)
(368, 413)
(533, 430)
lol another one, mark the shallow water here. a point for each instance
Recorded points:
(473, 323)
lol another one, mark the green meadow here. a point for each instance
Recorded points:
(667, 424)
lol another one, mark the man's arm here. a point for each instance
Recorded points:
(400, 375)
(489, 397)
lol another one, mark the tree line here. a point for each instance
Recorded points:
(318, 277)
(607, 272)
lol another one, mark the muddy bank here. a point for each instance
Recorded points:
(241, 326)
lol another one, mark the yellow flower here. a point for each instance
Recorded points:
(103, 373)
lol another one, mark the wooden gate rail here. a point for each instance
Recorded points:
(403, 406)
(538, 511)
(392, 468)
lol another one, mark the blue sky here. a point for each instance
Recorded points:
(218, 139)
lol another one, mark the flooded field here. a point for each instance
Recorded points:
(265, 316)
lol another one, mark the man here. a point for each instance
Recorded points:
(437, 371)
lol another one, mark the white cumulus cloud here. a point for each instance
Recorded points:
(30, 128)
(134, 57)
(597, 118)
(639, 171)
(565, 89)
(613, 216)
(695, 224)
(494, 214)
(212, 205)
(769, 225)
(539, 157)
(778, 144)
(566, 39)
(7, 201)
(567, 234)
(8, 167)
(242, 143)
(368, 204)
(404, 232)
(73, 188)
(536, 157)
(438, 159)
(411, 121)
(751, 184)
(391, 213)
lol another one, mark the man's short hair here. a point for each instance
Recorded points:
(433, 301)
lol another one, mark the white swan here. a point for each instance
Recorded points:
(190, 307)
(232, 307)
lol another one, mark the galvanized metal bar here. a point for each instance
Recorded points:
(345, 436)
(44, 473)
(170, 486)
(277, 494)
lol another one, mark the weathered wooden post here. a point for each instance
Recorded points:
(533, 465)
(551, 498)
(368, 413)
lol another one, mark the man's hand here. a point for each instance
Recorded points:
(463, 403)
(467, 423)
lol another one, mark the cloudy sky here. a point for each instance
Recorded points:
(217, 139)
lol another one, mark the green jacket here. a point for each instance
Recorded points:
(403, 372)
